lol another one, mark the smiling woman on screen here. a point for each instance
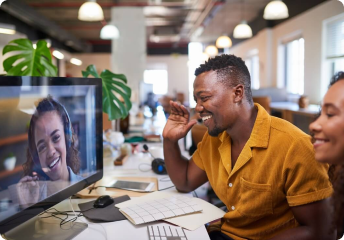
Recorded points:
(328, 142)
(51, 151)
(51, 155)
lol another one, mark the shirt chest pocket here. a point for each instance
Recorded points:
(255, 199)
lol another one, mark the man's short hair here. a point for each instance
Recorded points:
(231, 70)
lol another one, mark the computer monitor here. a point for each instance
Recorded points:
(50, 143)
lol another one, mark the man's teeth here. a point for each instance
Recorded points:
(54, 162)
(318, 141)
(206, 118)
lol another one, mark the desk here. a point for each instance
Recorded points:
(124, 229)
(300, 117)
(120, 230)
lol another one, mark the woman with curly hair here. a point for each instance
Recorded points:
(328, 142)
(52, 155)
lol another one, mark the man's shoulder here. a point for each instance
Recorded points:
(284, 126)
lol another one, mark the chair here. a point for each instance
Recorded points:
(197, 133)
(264, 101)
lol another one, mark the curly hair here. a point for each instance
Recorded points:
(231, 70)
(336, 174)
(32, 163)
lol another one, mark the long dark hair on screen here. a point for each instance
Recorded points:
(32, 163)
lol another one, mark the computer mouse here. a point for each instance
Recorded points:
(103, 201)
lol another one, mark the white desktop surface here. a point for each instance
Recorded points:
(124, 230)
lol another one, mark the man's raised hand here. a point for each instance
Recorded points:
(178, 124)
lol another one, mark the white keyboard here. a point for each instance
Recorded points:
(165, 232)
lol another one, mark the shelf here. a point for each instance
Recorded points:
(6, 173)
(13, 139)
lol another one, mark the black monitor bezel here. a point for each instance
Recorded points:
(32, 211)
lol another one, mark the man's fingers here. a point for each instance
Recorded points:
(185, 111)
(178, 109)
(190, 124)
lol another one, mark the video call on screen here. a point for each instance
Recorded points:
(60, 149)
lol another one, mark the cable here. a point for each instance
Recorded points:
(70, 201)
(165, 179)
(195, 194)
(166, 188)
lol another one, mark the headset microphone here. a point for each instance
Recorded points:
(158, 164)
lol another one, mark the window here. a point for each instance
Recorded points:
(294, 66)
(335, 45)
(252, 64)
(158, 78)
(196, 58)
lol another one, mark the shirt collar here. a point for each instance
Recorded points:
(261, 129)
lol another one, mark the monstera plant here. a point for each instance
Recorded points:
(112, 83)
(24, 60)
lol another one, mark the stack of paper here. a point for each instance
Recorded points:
(190, 221)
(154, 210)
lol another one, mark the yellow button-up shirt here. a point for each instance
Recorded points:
(275, 170)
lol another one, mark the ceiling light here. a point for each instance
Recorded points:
(242, 30)
(164, 38)
(76, 61)
(7, 29)
(58, 54)
(109, 32)
(211, 50)
(275, 10)
(91, 11)
(223, 42)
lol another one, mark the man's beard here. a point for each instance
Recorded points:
(215, 131)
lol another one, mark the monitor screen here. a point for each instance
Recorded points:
(50, 143)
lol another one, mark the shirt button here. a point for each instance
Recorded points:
(233, 208)
(230, 185)
(228, 220)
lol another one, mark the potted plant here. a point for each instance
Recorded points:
(25, 60)
(10, 162)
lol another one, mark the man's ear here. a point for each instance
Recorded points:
(238, 93)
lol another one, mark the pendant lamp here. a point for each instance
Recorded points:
(242, 30)
(211, 51)
(109, 32)
(223, 42)
(276, 9)
(91, 11)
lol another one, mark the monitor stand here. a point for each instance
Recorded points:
(45, 228)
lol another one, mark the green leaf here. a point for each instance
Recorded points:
(112, 83)
(28, 61)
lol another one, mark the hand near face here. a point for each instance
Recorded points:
(28, 190)
(178, 124)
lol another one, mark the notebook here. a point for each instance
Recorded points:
(159, 209)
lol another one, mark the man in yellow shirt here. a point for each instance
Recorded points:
(261, 167)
